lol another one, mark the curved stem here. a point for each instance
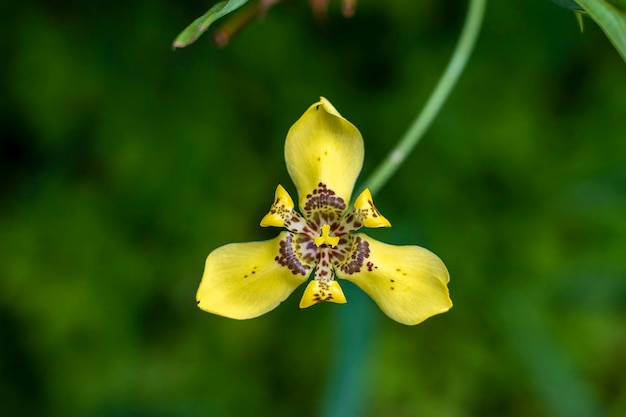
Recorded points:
(464, 47)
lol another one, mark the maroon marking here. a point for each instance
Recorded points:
(359, 251)
(324, 199)
(289, 258)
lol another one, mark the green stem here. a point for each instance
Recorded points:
(464, 47)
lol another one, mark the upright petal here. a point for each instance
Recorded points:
(246, 280)
(367, 213)
(282, 214)
(281, 210)
(407, 282)
(323, 150)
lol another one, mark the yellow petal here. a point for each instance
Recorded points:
(407, 282)
(245, 280)
(318, 292)
(323, 148)
(367, 213)
(281, 210)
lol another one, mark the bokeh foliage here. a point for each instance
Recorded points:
(123, 164)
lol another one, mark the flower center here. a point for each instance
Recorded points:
(325, 239)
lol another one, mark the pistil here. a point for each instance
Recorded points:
(325, 238)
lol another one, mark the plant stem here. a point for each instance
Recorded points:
(462, 52)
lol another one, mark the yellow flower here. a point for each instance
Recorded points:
(324, 155)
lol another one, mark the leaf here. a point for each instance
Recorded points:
(620, 4)
(610, 19)
(581, 20)
(201, 24)
(568, 4)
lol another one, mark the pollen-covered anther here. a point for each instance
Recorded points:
(325, 238)
(367, 213)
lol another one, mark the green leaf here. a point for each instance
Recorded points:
(568, 4)
(201, 24)
(581, 21)
(610, 19)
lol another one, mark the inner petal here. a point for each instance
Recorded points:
(282, 214)
(367, 213)
(323, 287)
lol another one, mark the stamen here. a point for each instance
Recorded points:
(325, 239)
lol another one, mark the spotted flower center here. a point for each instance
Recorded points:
(321, 240)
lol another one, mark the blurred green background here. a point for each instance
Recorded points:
(123, 164)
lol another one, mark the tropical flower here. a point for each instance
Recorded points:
(324, 155)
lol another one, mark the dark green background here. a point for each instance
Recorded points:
(123, 164)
